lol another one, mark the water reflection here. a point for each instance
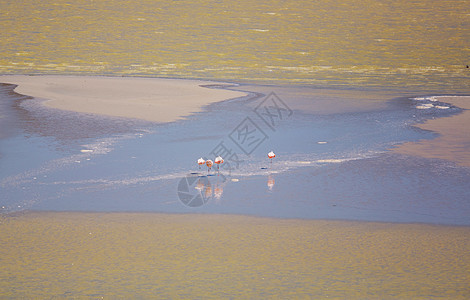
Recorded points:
(208, 191)
(196, 189)
(220, 182)
(271, 182)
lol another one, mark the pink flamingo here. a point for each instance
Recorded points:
(271, 155)
(200, 162)
(218, 160)
(209, 164)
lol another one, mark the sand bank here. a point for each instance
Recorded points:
(453, 142)
(150, 99)
(132, 255)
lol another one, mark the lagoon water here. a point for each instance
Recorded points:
(351, 79)
(347, 73)
(329, 165)
(402, 44)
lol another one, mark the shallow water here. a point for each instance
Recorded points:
(328, 165)
(346, 74)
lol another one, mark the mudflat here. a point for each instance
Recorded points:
(453, 142)
(150, 99)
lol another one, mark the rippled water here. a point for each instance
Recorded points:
(397, 44)
(148, 256)
(332, 160)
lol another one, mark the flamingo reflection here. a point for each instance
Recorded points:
(271, 182)
(208, 192)
(219, 187)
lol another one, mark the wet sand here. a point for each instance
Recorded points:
(453, 142)
(149, 99)
(140, 255)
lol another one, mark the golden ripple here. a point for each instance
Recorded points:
(146, 255)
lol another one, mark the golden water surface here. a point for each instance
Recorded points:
(142, 256)
(422, 44)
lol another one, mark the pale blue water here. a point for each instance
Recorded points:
(328, 166)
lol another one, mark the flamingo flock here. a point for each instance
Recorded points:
(209, 163)
(219, 160)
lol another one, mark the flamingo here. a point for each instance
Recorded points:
(271, 155)
(219, 160)
(200, 162)
(209, 164)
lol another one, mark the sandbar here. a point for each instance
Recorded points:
(200, 256)
(453, 142)
(149, 99)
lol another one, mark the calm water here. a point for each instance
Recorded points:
(400, 44)
(373, 53)
(333, 166)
